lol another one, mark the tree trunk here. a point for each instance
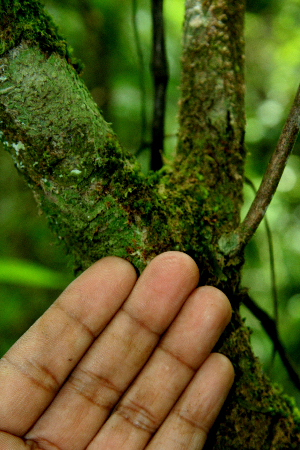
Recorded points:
(99, 203)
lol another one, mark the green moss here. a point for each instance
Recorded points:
(79, 157)
(27, 20)
(210, 147)
(84, 181)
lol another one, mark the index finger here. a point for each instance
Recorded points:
(33, 370)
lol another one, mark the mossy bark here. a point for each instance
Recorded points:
(99, 203)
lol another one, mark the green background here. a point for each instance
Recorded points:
(33, 268)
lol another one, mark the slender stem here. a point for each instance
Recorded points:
(272, 175)
(159, 67)
(270, 328)
(272, 268)
(272, 259)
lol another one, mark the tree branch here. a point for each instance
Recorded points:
(269, 326)
(159, 68)
(89, 188)
(273, 173)
(211, 114)
(268, 186)
(93, 193)
(272, 259)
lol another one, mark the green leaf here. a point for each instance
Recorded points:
(26, 273)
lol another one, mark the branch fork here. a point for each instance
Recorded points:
(234, 243)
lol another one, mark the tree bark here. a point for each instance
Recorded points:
(99, 203)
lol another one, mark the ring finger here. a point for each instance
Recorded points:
(189, 422)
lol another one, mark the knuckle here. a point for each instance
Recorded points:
(94, 388)
(139, 416)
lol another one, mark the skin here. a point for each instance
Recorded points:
(117, 362)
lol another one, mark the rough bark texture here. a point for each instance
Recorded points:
(98, 202)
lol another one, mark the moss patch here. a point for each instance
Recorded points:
(28, 21)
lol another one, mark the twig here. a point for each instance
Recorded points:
(272, 259)
(271, 177)
(272, 269)
(159, 68)
(270, 328)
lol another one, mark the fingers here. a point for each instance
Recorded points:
(10, 442)
(189, 422)
(117, 327)
(182, 350)
(102, 376)
(33, 370)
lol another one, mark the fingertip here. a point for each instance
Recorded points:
(111, 269)
(162, 289)
(99, 291)
(178, 258)
(214, 379)
(224, 366)
(115, 263)
(220, 299)
(123, 272)
(180, 263)
(120, 266)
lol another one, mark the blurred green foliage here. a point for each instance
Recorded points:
(272, 76)
(27, 273)
(101, 34)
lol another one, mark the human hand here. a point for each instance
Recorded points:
(117, 363)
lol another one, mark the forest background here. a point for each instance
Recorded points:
(34, 269)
